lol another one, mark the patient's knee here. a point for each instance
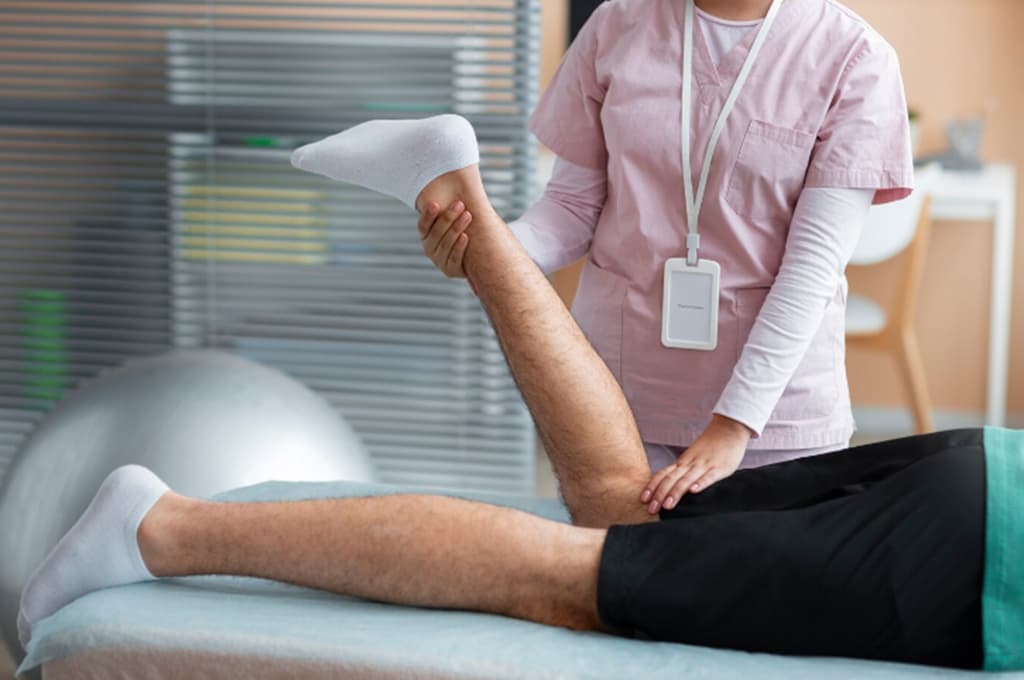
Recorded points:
(603, 503)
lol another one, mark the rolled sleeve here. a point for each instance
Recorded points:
(568, 118)
(864, 142)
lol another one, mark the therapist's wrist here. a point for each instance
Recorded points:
(727, 428)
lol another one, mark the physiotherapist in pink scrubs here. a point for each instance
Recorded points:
(737, 140)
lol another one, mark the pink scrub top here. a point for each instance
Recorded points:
(824, 106)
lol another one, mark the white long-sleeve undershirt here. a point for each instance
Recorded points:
(557, 230)
(822, 236)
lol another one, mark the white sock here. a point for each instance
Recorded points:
(394, 157)
(101, 550)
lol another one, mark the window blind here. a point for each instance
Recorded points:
(147, 203)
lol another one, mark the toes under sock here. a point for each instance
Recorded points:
(101, 550)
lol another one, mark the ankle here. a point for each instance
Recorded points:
(464, 185)
(160, 535)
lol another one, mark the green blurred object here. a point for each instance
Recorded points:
(44, 295)
(43, 333)
(269, 142)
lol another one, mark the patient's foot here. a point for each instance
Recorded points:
(101, 550)
(394, 157)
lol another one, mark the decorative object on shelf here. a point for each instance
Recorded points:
(964, 137)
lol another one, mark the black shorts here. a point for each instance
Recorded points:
(876, 552)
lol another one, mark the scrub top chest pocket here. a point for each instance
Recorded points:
(769, 171)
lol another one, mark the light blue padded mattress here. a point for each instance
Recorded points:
(235, 627)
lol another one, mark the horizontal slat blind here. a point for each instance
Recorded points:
(147, 203)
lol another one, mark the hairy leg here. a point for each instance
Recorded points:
(426, 551)
(582, 416)
(412, 550)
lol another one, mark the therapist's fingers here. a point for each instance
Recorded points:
(648, 492)
(685, 484)
(663, 493)
(677, 489)
(710, 477)
(440, 225)
(662, 480)
(447, 240)
(458, 253)
(427, 218)
(443, 255)
(440, 236)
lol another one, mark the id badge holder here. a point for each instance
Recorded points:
(689, 315)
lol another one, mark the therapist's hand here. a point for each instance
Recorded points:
(714, 456)
(444, 237)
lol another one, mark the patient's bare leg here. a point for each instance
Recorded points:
(442, 552)
(418, 550)
(582, 416)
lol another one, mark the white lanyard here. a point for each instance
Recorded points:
(693, 204)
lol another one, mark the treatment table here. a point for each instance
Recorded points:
(228, 627)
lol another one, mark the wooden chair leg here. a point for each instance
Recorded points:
(917, 386)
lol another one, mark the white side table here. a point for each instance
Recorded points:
(988, 195)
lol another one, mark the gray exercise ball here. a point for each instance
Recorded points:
(204, 421)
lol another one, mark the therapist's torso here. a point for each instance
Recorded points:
(759, 169)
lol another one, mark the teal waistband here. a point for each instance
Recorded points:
(1003, 593)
